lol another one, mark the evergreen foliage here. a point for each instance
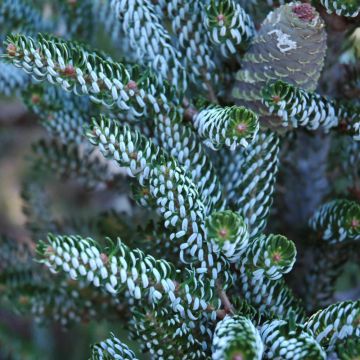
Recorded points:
(112, 348)
(191, 113)
(296, 107)
(341, 7)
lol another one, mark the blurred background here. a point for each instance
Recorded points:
(21, 337)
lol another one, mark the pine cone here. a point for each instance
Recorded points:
(291, 46)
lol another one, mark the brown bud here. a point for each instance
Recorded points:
(11, 50)
(104, 258)
(304, 12)
(241, 128)
(223, 232)
(133, 155)
(131, 85)
(50, 250)
(355, 223)
(35, 98)
(237, 356)
(220, 17)
(276, 257)
(276, 99)
(69, 71)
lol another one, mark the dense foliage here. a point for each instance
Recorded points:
(216, 121)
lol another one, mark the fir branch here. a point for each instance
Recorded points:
(229, 126)
(333, 224)
(348, 8)
(244, 308)
(154, 327)
(201, 279)
(98, 62)
(69, 65)
(150, 39)
(350, 164)
(129, 149)
(267, 259)
(337, 221)
(228, 25)
(111, 348)
(19, 15)
(274, 297)
(228, 231)
(66, 126)
(271, 256)
(120, 268)
(348, 349)
(18, 273)
(177, 198)
(236, 338)
(188, 25)
(30, 289)
(69, 303)
(44, 99)
(63, 115)
(249, 178)
(335, 323)
(181, 142)
(284, 340)
(296, 107)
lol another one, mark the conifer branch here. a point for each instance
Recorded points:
(121, 268)
(337, 221)
(177, 197)
(75, 69)
(202, 275)
(335, 323)
(228, 232)
(348, 349)
(236, 338)
(229, 126)
(290, 341)
(229, 26)
(341, 7)
(249, 177)
(270, 256)
(181, 142)
(150, 39)
(189, 340)
(296, 107)
(111, 348)
(188, 24)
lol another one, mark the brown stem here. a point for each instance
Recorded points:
(228, 307)
(190, 114)
(212, 96)
(220, 314)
